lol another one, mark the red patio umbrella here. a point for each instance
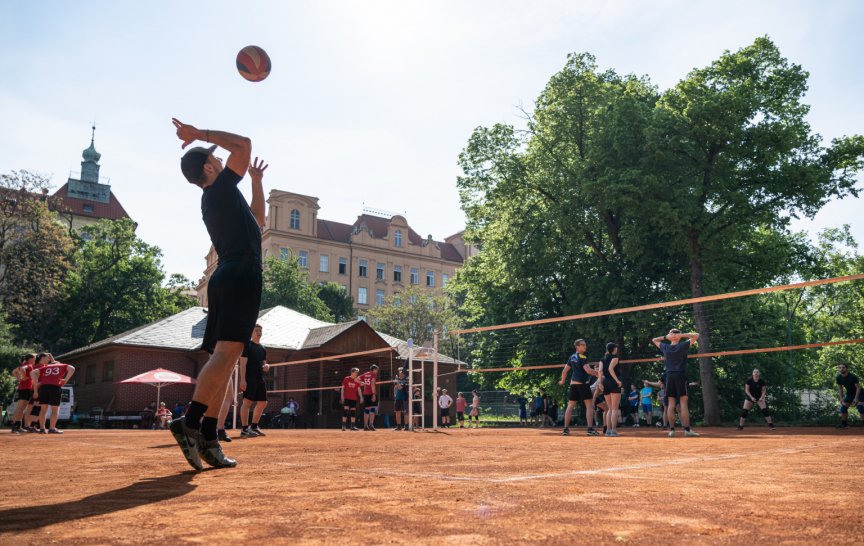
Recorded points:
(159, 378)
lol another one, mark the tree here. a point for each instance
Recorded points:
(337, 299)
(736, 155)
(35, 252)
(285, 283)
(116, 285)
(413, 314)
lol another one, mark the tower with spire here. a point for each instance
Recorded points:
(87, 198)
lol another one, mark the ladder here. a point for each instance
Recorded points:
(412, 369)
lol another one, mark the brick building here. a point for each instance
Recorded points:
(174, 343)
(377, 256)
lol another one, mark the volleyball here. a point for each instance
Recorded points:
(253, 63)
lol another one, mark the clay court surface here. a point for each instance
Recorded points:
(487, 486)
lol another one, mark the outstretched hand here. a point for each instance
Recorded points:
(256, 171)
(187, 133)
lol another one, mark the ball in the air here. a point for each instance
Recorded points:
(253, 63)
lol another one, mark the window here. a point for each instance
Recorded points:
(430, 278)
(284, 254)
(343, 266)
(90, 375)
(430, 303)
(303, 258)
(88, 207)
(379, 297)
(415, 276)
(379, 272)
(361, 296)
(397, 273)
(324, 263)
(397, 239)
(412, 299)
(108, 371)
(295, 219)
(364, 268)
(445, 278)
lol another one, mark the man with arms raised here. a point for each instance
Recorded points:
(675, 360)
(234, 289)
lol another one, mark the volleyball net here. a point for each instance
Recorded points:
(794, 333)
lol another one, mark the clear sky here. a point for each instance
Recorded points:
(369, 101)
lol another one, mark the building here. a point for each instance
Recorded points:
(174, 343)
(87, 199)
(377, 256)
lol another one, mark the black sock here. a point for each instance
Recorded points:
(254, 426)
(194, 414)
(17, 424)
(686, 429)
(208, 428)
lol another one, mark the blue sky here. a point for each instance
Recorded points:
(369, 101)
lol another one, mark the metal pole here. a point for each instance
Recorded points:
(410, 384)
(435, 380)
(234, 401)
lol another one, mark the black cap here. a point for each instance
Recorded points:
(192, 163)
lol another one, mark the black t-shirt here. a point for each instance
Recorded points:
(756, 387)
(849, 382)
(607, 373)
(255, 356)
(675, 356)
(233, 229)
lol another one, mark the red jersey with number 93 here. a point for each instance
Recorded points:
(52, 374)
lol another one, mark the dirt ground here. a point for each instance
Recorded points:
(487, 486)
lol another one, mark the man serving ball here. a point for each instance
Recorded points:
(234, 290)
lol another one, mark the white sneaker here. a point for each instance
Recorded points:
(671, 433)
(690, 433)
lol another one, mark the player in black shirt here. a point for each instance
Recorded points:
(234, 288)
(849, 381)
(675, 364)
(580, 373)
(253, 365)
(754, 393)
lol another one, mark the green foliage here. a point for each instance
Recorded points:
(286, 284)
(415, 313)
(616, 194)
(338, 301)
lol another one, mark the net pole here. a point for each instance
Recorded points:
(411, 385)
(435, 380)
(234, 400)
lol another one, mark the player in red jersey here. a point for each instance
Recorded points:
(25, 390)
(42, 359)
(348, 394)
(370, 399)
(47, 381)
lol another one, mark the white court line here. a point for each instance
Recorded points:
(592, 472)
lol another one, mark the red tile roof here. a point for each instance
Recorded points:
(111, 210)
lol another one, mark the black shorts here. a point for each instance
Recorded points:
(49, 395)
(539, 411)
(367, 401)
(417, 408)
(460, 415)
(676, 385)
(256, 390)
(610, 386)
(579, 392)
(445, 412)
(349, 403)
(25, 394)
(600, 400)
(234, 297)
(400, 405)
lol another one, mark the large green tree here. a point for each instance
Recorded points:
(413, 314)
(338, 300)
(286, 283)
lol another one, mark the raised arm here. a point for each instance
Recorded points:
(256, 174)
(693, 337)
(239, 147)
(656, 341)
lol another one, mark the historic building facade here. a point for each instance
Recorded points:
(373, 258)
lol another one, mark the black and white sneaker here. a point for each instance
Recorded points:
(344, 428)
(223, 436)
(739, 427)
(592, 432)
(772, 427)
(54, 431)
(248, 433)
(187, 439)
(372, 428)
(212, 454)
(565, 432)
(354, 429)
(258, 431)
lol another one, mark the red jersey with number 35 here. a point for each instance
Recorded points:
(52, 374)
(367, 379)
(26, 384)
(349, 388)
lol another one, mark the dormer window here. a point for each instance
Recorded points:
(295, 219)
(397, 238)
(88, 207)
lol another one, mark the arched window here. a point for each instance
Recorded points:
(295, 219)
(397, 239)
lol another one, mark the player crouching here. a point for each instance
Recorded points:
(755, 390)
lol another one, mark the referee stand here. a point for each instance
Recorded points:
(413, 381)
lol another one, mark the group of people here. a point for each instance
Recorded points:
(40, 381)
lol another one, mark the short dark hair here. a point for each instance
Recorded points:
(674, 331)
(579, 342)
(373, 367)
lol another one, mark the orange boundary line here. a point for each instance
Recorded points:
(334, 357)
(694, 355)
(622, 310)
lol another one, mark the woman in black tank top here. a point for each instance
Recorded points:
(611, 388)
